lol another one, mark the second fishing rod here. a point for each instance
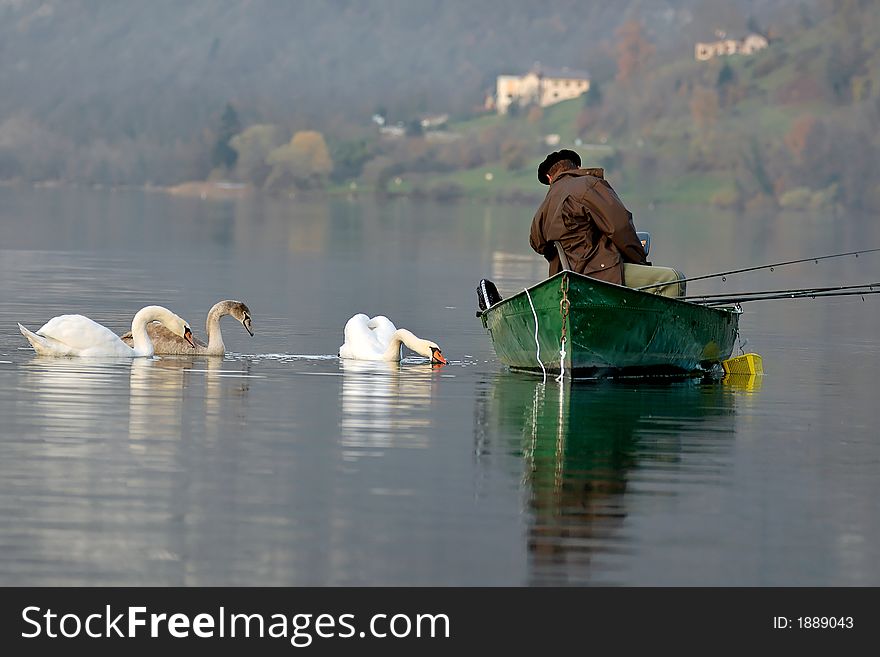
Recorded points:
(724, 274)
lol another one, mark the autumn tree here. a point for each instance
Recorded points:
(633, 50)
(303, 162)
(803, 137)
(253, 147)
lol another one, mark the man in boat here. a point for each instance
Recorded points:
(583, 213)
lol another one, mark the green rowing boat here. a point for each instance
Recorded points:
(607, 329)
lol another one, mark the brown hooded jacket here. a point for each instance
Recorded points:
(584, 214)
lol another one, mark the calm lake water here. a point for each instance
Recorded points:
(281, 465)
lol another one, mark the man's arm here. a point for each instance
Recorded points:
(613, 219)
(536, 236)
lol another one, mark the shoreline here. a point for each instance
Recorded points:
(225, 191)
(230, 191)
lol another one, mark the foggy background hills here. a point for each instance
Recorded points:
(161, 70)
(281, 97)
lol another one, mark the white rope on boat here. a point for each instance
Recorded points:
(561, 362)
(537, 344)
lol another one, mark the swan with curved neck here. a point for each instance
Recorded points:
(378, 339)
(167, 342)
(77, 335)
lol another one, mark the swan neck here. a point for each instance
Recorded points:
(212, 326)
(403, 336)
(142, 343)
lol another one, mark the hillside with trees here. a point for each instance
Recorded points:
(279, 96)
(793, 126)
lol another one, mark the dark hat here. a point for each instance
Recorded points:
(552, 159)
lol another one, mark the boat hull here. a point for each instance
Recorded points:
(610, 329)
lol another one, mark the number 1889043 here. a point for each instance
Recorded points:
(825, 622)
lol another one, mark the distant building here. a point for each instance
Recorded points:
(724, 46)
(434, 121)
(540, 86)
(394, 131)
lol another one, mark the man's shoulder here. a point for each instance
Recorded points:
(597, 173)
(580, 178)
(576, 181)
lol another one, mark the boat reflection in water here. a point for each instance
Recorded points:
(384, 405)
(595, 450)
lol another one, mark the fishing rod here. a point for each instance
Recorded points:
(771, 267)
(801, 291)
(805, 295)
(801, 296)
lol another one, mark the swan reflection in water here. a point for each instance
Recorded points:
(165, 397)
(582, 443)
(385, 405)
(80, 400)
(119, 486)
(75, 399)
(158, 393)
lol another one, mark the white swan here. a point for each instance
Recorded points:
(76, 335)
(167, 342)
(379, 339)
